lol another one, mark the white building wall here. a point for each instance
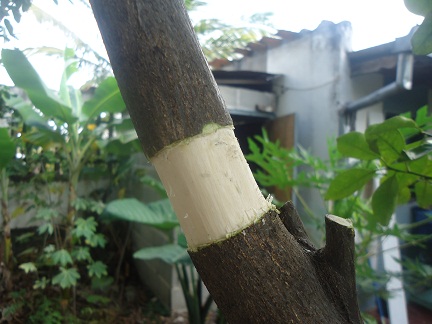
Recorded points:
(315, 68)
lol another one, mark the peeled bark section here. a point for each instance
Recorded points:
(200, 173)
(160, 69)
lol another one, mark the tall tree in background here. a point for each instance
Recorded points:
(256, 261)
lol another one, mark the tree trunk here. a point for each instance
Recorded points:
(256, 261)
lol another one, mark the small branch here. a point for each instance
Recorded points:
(409, 172)
(291, 220)
(336, 266)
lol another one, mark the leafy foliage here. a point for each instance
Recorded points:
(404, 168)
(399, 149)
(422, 38)
(67, 277)
(16, 8)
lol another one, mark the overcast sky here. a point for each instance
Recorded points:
(374, 22)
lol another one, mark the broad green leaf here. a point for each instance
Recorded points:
(157, 214)
(422, 39)
(394, 123)
(406, 179)
(384, 200)
(66, 278)
(390, 145)
(25, 76)
(28, 267)
(44, 137)
(107, 98)
(348, 182)
(422, 117)
(419, 151)
(419, 7)
(71, 67)
(404, 195)
(170, 253)
(62, 257)
(354, 145)
(7, 148)
(423, 191)
(123, 125)
(29, 115)
(97, 269)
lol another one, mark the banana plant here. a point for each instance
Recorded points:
(62, 120)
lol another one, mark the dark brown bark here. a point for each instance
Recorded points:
(162, 74)
(270, 272)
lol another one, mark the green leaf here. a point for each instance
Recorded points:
(170, 253)
(394, 123)
(419, 151)
(348, 182)
(107, 98)
(390, 145)
(423, 191)
(404, 195)
(46, 214)
(28, 267)
(29, 115)
(85, 227)
(44, 137)
(96, 240)
(66, 278)
(384, 200)
(9, 27)
(41, 283)
(46, 228)
(120, 148)
(25, 76)
(422, 39)
(354, 145)
(419, 7)
(81, 253)
(422, 117)
(97, 269)
(158, 214)
(49, 249)
(62, 257)
(7, 148)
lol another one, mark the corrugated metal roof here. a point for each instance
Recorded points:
(251, 80)
(267, 42)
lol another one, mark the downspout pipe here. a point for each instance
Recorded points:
(403, 82)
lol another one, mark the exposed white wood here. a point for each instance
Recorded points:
(210, 186)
